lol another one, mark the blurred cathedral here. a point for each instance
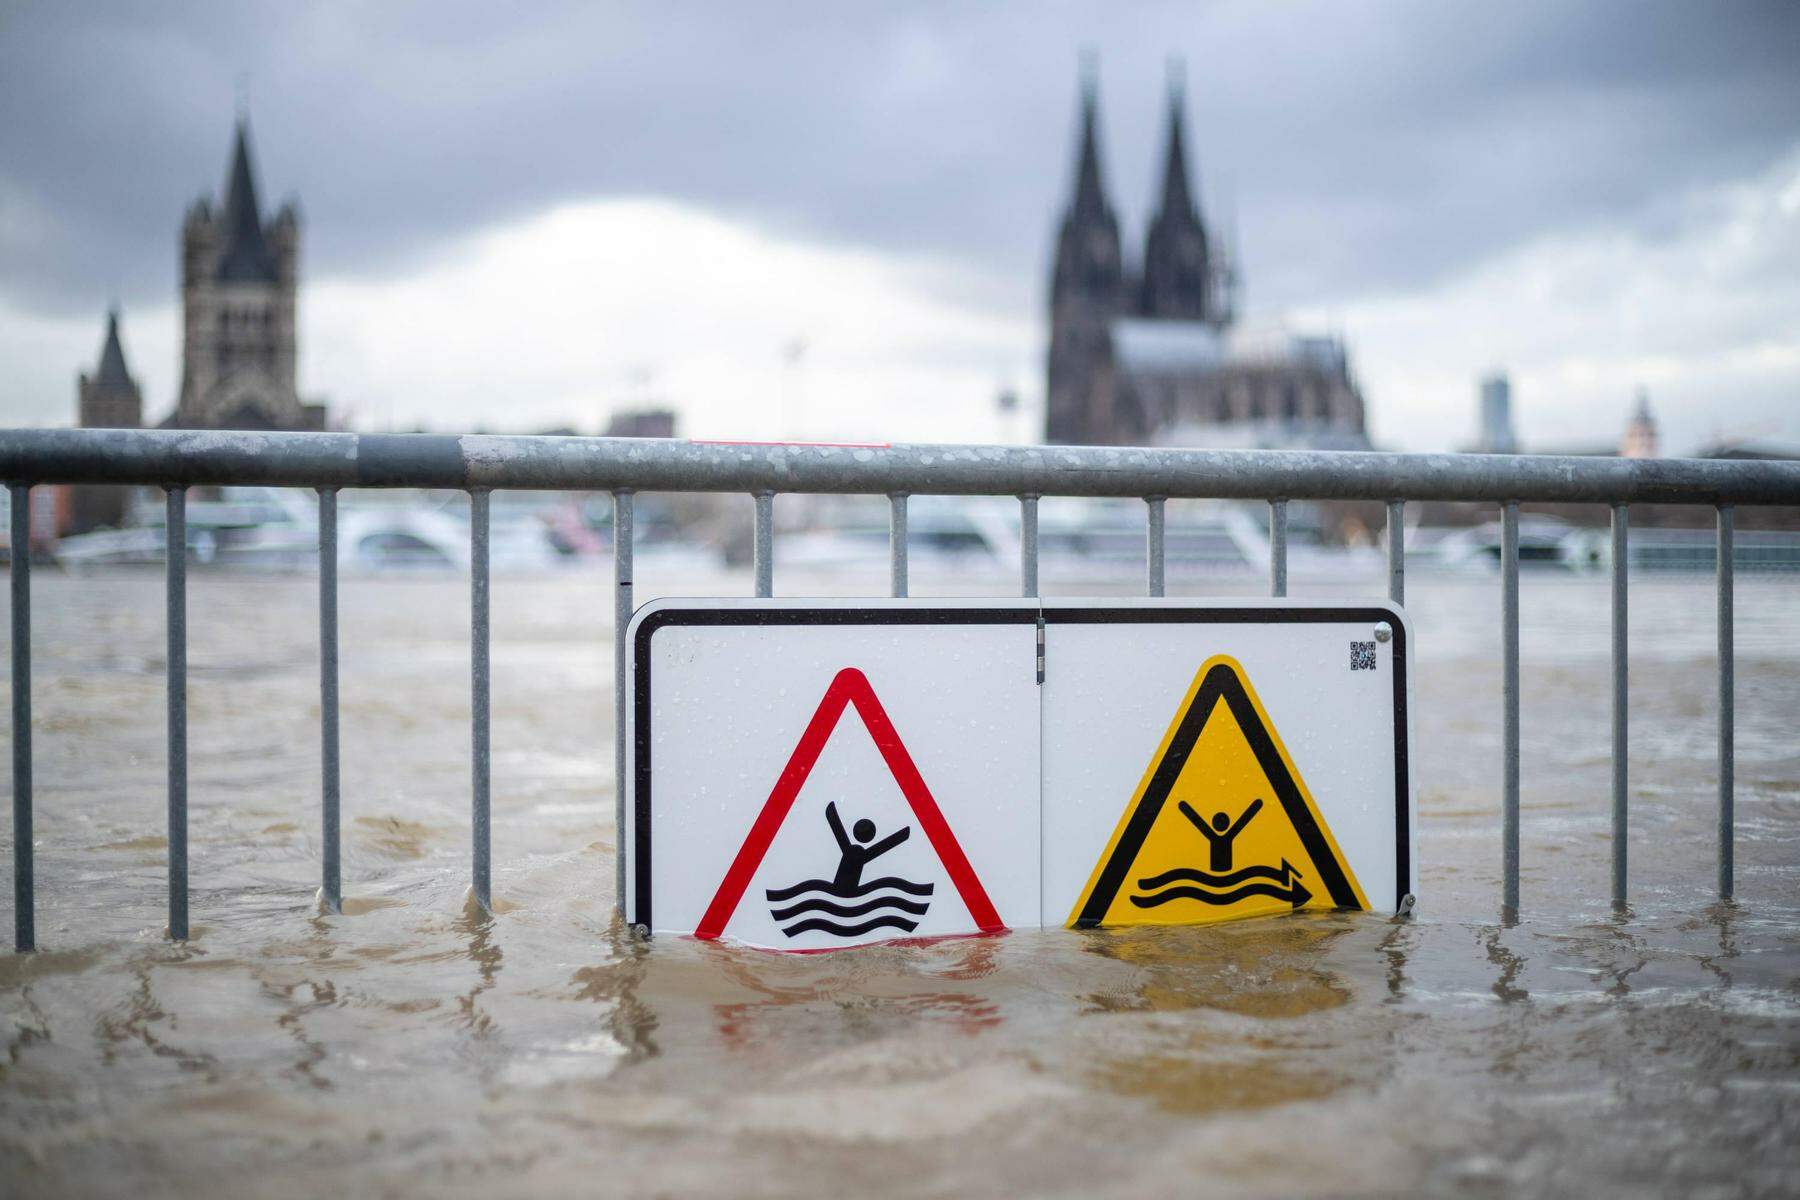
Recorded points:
(1152, 353)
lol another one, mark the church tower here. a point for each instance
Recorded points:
(1179, 267)
(238, 282)
(1087, 291)
(107, 399)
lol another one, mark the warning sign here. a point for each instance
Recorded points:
(812, 774)
(861, 884)
(1221, 824)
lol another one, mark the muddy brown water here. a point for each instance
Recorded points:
(412, 1047)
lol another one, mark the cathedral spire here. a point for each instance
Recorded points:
(1090, 188)
(246, 257)
(1180, 266)
(113, 373)
(1087, 287)
(1176, 199)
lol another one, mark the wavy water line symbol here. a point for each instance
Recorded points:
(1283, 884)
(890, 911)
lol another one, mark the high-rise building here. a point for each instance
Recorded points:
(1496, 435)
(1151, 352)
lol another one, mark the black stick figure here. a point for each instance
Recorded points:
(858, 853)
(1221, 832)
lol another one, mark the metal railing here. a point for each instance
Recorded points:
(478, 464)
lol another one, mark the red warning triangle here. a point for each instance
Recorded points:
(850, 686)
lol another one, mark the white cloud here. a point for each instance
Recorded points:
(1707, 318)
(610, 304)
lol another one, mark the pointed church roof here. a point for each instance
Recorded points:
(113, 373)
(1090, 192)
(246, 258)
(1177, 200)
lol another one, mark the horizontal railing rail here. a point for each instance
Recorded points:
(493, 461)
(481, 463)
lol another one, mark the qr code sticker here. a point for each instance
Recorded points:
(1362, 656)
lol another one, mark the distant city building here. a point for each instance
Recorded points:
(642, 423)
(1496, 435)
(1152, 356)
(108, 399)
(1641, 438)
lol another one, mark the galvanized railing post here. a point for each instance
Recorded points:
(1278, 531)
(762, 551)
(1727, 701)
(897, 544)
(1154, 543)
(331, 881)
(19, 565)
(175, 555)
(1509, 667)
(1396, 550)
(1028, 545)
(480, 746)
(622, 566)
(1620, 699)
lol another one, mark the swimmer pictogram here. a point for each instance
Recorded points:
(1221, 825)
(847, 905)
(885, 903)
(1222, 885)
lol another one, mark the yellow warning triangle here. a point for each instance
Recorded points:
(1221, 825)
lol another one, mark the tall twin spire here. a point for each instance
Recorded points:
(1175, 196)
(1179, 276)
(1090, 189)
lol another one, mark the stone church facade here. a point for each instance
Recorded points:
(1152, 353)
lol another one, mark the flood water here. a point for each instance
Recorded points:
(413, 1047)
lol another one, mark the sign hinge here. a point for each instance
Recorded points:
(1040, 649)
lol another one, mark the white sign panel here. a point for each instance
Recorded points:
(815, 774)
(812, 774)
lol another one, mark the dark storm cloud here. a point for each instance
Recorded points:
(1362, 148)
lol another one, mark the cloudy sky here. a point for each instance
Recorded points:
(834, 221)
